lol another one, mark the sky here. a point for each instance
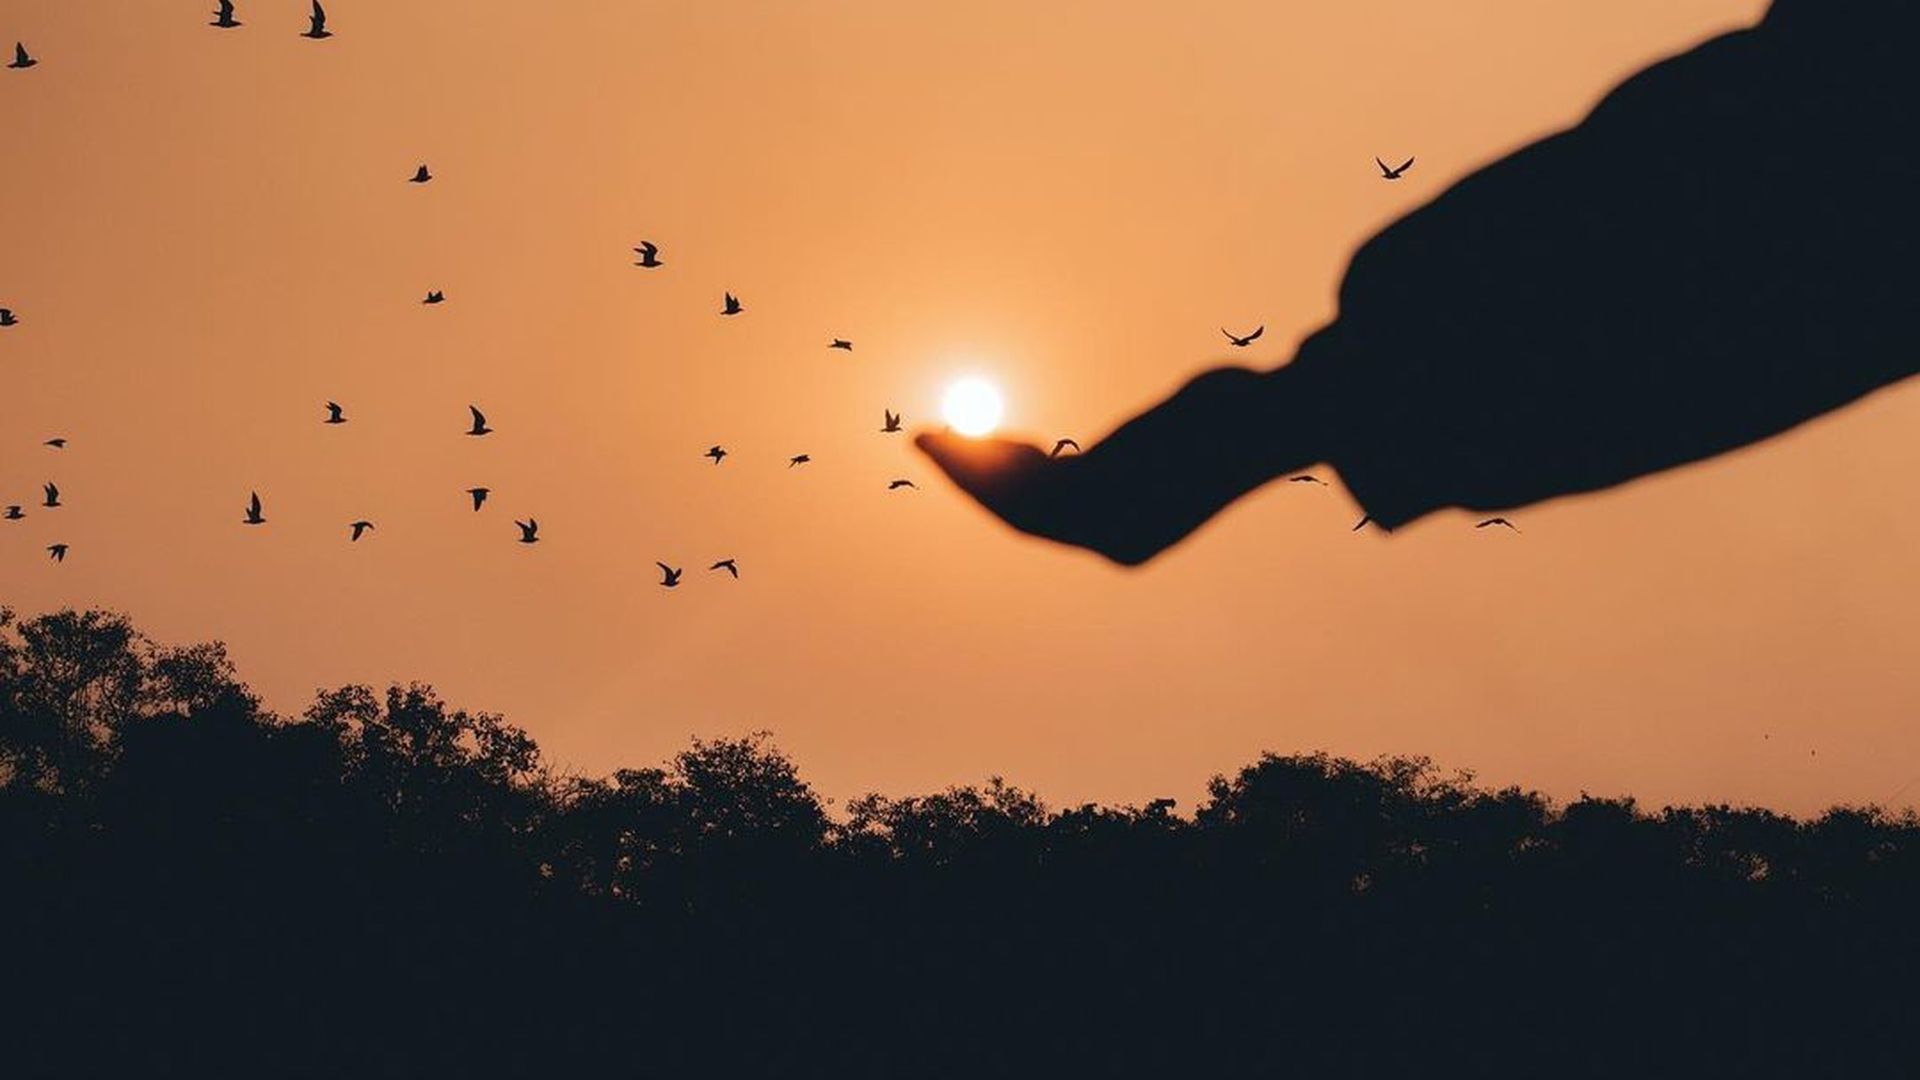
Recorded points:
(208, 235)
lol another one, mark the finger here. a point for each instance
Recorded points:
(988, 469)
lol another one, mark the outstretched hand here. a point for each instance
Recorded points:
(1059, 498)
(1159, 477)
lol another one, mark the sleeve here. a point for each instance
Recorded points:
(1722, 250)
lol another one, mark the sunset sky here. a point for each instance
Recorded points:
(208, 234)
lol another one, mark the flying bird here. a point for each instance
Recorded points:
(892, 422)
(840, 343)
(798, 459)
(1500, 521)
(732, 306)
(528, 530)
(669, 577)
(1242, 342)
(224, 17)
(729, 566)
(20, 58)
(53, 495)
(14, 513)
(479, 422)
(317, 23)
(420, 176)
(716, 453)
(254, 516)
(1392, 174)
(479, 495)
(335, 415)
(898, 484)
(649, 253)
(359, 527)
(1306, 478)
(7, 317)
(57, 444)
(1062, 444)
(57, 552)
(435, 296)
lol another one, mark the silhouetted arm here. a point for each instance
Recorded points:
(1722, 250)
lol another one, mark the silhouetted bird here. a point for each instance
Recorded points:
(1306, 478)
(20, 58)
(334, 414)
(716, 453)
(732, 306)
(53, 495)
(57, 552)
(798, 459)
(254, 517)
(840, 343)
(898, 484)
(729, 566)
(420, 176)
(435, 296)
(479, 495)
(317, 23)
(528, 530)
(649, 253)
(669, 577)
(224, 17)
(57, 444)
(359, 527)
(1492, 521)
(1242, 342)
(14, 513)
(1062, 444)
(892, 422)
(1392, 174)
(7, 317)
(479, 422)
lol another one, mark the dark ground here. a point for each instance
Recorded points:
(389, 886)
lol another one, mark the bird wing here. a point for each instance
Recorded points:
(1405, 167)
(479, 418)
(319, 16)
(253, 504)
(1255, 336)
(19, 53)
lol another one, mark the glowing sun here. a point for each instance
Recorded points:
(972, 406)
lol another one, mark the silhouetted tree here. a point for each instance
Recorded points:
(385, 883)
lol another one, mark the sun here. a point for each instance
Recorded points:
(972, 406)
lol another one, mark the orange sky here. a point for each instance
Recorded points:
(207, 235)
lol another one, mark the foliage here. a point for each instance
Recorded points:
(386, 883)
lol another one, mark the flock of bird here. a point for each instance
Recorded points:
(647, 256)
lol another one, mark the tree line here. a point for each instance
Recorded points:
(386, 884)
